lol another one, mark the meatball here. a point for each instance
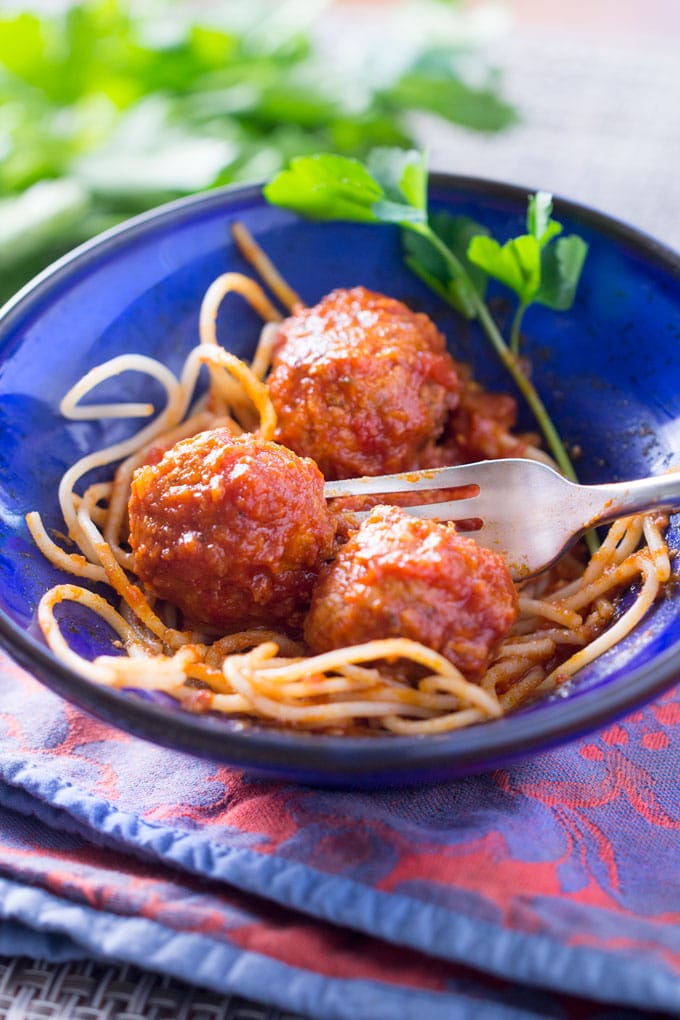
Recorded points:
(399, 576)
(361, 384)
(481, 426)
(232, 530)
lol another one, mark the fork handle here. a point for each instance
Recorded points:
(619, 499)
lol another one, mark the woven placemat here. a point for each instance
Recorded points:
(84, 990)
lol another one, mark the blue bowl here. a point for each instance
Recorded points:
(609, 370)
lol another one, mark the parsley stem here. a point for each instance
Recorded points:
(515, 329)
(507, 356)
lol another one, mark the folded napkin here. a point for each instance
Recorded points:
(550, 889)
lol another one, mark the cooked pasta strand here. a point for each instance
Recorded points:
(258, 673)
(264, 266)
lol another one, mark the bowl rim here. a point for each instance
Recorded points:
(333, 759)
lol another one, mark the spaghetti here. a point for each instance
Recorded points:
(567, 617)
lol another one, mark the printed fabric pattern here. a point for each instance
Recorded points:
(547, 889)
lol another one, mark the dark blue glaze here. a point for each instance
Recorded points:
(609, 370)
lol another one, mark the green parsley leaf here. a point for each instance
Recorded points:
(456, 232)
(517, 263)
(402, 173)
(326, 187)
(540, 266)
(432, 90)
(561, 266)
(539, 218)
(391, 190)
(240, 90)
(427, 261)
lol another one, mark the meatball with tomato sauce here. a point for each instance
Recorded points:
(482, 426)
(399, 576)
(232, 530)
(361, 384)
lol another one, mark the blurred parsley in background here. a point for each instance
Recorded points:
(108, 108)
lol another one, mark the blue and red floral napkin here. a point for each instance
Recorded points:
(550, 889)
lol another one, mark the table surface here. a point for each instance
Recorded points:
(598, 101)
(597, 86)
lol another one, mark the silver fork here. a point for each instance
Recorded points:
(529, 512)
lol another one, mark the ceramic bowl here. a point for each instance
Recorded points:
(609, 371)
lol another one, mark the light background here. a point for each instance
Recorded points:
(597, 84)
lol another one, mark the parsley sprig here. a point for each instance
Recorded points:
(453, 255)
